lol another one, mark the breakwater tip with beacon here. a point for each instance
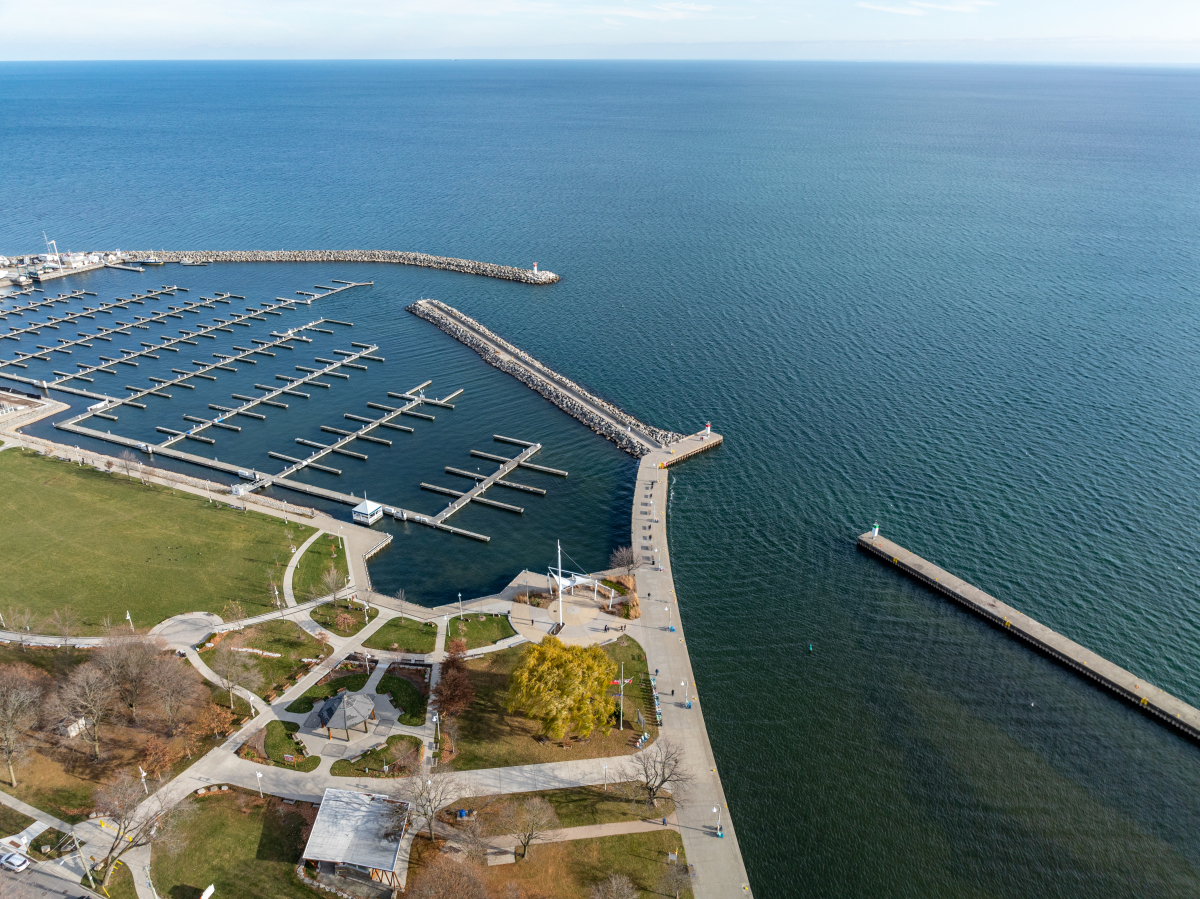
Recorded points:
(633, 436)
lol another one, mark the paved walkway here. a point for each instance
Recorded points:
(289, 595)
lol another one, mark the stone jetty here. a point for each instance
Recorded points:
(631, 435)
(467, 266)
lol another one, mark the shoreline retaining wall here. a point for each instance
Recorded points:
(543, 379)
(467, 266)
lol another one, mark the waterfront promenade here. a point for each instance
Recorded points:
(1146, 696)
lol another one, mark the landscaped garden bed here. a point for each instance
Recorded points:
(408, 688)
(401, 756)
(273, 745)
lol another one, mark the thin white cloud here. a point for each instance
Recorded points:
(965, 6)
(898, 10)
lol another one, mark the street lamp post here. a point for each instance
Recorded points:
(720, 831)
(460, 614)
(605, 767)
(258, 774)
(143, 773)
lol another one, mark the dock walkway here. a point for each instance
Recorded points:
(1144, 695)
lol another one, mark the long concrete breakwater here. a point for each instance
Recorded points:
(1145, 696)
(424, 260)
(631, 435)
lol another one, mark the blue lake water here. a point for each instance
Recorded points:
(960, 301)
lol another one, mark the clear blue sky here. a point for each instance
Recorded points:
(1117, 31)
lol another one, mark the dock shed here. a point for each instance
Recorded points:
(367, 512)
(360, 831)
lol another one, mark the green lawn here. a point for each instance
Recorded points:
(371, 764)
(247, 847)
(407, 635)
(279, 743)
(103, 544)
(318, 692)
(569, 870)
(404, 695)
(492, 629)
(292, 643)
(12, 821)
(575, 806)
(326, 614)
(306, 579)
(490, 737)
(120, 886)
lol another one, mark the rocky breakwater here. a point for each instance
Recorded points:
(631, 435)
(467, 266)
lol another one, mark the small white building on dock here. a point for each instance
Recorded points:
(367, 512)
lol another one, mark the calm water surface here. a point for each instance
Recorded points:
(959, 301)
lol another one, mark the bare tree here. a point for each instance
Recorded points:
(330, 583)
(20, 695)
(675, 880)
(18, 619)
(234, 669)
(175, 687)
(130, 463)
(130, 663)
(623, 557)
(63, 620)
(473, 837)
(399, 594)
(528, 819)
(448, 879)
(137, 821)
(430, 793)
(656, 769)
(87, 699)
(615, 886)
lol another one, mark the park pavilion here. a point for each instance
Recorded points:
(344, 711)
(359, 831)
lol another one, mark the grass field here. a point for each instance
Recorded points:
(477, 633)
(575, 806)
(306, 579)
(569, 870)
(400, 748)
(404, 695)
(407, 635)
(248, 847)
(292, 643)
(325, 615)
(103, 544)
(490, 737)
(318, 692)
(12, 821)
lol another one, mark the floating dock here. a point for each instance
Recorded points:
(1145, 696)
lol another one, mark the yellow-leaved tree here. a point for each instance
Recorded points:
(564, 687)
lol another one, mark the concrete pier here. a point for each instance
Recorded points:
(1149, 698)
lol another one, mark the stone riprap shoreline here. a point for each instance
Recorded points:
(631, 435)
(467, 266)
